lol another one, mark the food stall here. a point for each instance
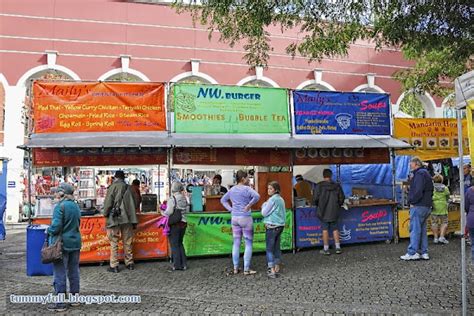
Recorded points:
(341, 129)
(435, 141)
(85, 126)
(237, 127)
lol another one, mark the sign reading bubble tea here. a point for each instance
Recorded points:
(329, 112)
(67, 107)
(230, 109)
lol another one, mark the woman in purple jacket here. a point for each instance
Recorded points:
(242, 197)
(469, 207)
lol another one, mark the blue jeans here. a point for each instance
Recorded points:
(272, 238)
(242, 226)
(68, 267)
(471, 235)
(418, 229)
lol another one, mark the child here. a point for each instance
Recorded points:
(439, 215)
(273, 212)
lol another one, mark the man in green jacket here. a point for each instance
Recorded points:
(119, 209)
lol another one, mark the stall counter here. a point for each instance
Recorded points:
(360, 224)
(148, 243)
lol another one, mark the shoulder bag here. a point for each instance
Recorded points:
(116, 210)
(177, 215)
(54, 252)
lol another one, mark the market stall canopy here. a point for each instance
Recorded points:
(285, 141)
(93, 139)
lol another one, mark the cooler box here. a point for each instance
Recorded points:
(35, 236)
(149, 203)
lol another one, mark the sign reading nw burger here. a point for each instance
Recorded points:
(230, 109)
(67, 107)
(329, 112)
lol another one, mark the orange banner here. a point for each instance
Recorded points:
(148, 243)
(68, 107)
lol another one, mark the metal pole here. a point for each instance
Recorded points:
(463, 215)
(394, 194)
(29, 185)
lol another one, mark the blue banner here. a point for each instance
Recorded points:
(358, 225)
(329, 112)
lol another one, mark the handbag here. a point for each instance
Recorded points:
(177, 215)
(54, 252)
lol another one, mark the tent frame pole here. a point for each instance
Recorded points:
(463, 215)
(394, 196)
(29, 185)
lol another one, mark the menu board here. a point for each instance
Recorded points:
(231, 156)
(324, 156)
(329, 112)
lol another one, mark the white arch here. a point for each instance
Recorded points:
(252, 78)
(3, 81)
(313, 82)
(445, 100)
(22, 81)
(117, 71)
(366, 86)
(185, 75)
(428, 104)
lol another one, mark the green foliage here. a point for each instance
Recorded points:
(412, 106)
(435, 34)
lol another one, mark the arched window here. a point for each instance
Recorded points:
(47, 74)
(194, 79)
(412, 106)
(316, 87)
(124, 77)
(258, 83)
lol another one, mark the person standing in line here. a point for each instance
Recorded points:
(65, 224)
(242, 197)
(274, 217)
(137, 196)
(439, 215)
(120, 211)
(469, 208)
(420, 198)
(176, 201)
(329, 199)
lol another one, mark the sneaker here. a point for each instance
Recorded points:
(272, 275)
(443, 241)
(425, 256)
(338, 251)
(409, 257)
(325, 252)
(76, 304)
(57, 307)
(436, 240)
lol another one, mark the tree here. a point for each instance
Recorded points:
(437, 35)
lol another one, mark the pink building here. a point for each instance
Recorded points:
(106, 39)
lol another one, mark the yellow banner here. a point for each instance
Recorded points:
(432, 138)
(470, 127)
(454, 222)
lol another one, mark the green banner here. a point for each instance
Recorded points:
(230, 109)
(211, 234)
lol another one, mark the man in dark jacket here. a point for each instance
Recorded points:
(420, 198)
(329, 199)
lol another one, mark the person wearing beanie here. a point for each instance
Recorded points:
(120, 211)
(65, 224)
(177, 201)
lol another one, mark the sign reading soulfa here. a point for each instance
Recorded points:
(230, 110)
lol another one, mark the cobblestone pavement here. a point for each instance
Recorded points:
(366, 279)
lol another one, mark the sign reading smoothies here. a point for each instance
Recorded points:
(330, 112)
(67, 107)
(230, 109)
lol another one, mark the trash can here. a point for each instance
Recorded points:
(35, 236)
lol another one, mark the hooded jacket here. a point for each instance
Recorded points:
(440, 199)
(329, 199)
(128, 208)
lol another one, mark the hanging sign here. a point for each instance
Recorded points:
(68, 107)
(329, 112)
(230, 109)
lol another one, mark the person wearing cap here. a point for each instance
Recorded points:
(303, 189)
(65, 223)
(122, 223)
(420, 198)
(177, 200)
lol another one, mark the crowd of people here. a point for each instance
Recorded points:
(428, 197)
